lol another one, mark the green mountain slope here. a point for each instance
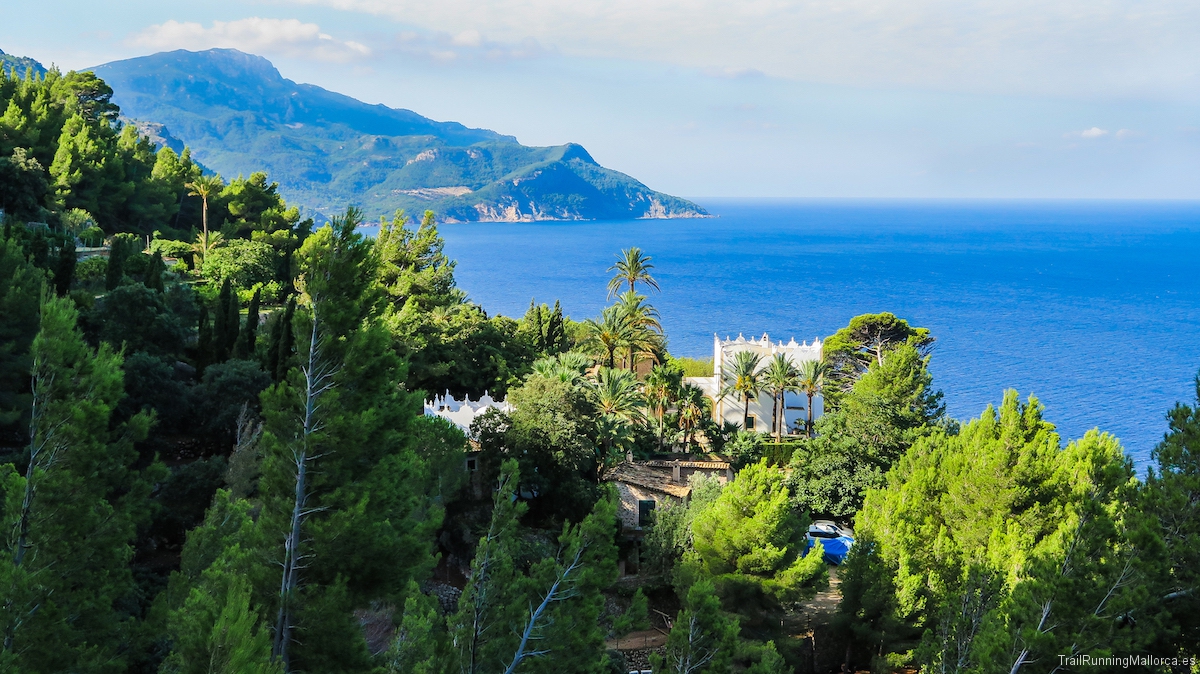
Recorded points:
(326, 150)
(21, 64)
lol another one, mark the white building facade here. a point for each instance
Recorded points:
(760, 416)
(462, 413)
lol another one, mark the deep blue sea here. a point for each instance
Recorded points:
(1094, 307)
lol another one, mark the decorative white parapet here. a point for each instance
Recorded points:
(762, 407)
(462, 413)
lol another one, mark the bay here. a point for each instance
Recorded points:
(1092, 306)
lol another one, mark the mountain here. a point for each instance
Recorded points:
(326, 150)
(20, 64)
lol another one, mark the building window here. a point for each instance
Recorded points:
(471, 464)
(645, 513)
(750, 419)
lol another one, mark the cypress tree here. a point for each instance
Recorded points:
(249, 336)
(555, 333)
(116, 260)
(221, 323)
(273, 337)
(233, 324)
(154, 272)
(286, 342)
(204, 339)
(65, 271)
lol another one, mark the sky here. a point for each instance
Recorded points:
(757, 98)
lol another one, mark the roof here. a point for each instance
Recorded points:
(667, 463)
(644, 476)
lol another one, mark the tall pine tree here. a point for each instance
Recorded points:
(74, 509)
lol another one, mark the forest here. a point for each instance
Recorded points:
(214, 458)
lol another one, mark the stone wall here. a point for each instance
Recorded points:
(627, 511)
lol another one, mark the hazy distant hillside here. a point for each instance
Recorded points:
(21, 64)
(238, 114)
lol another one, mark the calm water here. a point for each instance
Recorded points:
(1092, 306)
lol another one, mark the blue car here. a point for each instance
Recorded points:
(836, 539)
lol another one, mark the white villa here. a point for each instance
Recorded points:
(759, 419)
(462, 413)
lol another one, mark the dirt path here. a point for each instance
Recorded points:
(645, 639)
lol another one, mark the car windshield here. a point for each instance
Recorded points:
(822, 534)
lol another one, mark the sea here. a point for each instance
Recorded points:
(1091, 306)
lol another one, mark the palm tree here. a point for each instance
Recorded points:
(811, 381)
(204, 187)
(615, 393)
(691, 412)
(619, 402)
(779, 378)
(662, 390)
(568, 367)
(645, 330)
(608, 334)
(743, 378)
(631, 267)
(205, 242)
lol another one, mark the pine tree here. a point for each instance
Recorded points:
(20, 295)
(414, 649)
(346, 507)
(212, 623)
(488, 605)
(74, 510)
(702, 639)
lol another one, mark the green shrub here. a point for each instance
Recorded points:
(243, 262)
(694, 367)
(92, 236)
(170, 248)
(90, 272)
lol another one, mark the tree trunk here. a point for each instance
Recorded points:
(808, 427)
(746, 412)
(535, 616)
(35, 453)
(316, 382)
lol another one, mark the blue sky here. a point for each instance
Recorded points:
(783, 98)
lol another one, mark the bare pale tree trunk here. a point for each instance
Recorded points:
(557, 593)
(37, 449)
(317, 381)
(41, 454)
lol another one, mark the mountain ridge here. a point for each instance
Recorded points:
(238, 113)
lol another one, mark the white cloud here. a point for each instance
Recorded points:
(287, 37)
(464, 46)
(1053, 47)
(1094, 132)
(468, 38)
